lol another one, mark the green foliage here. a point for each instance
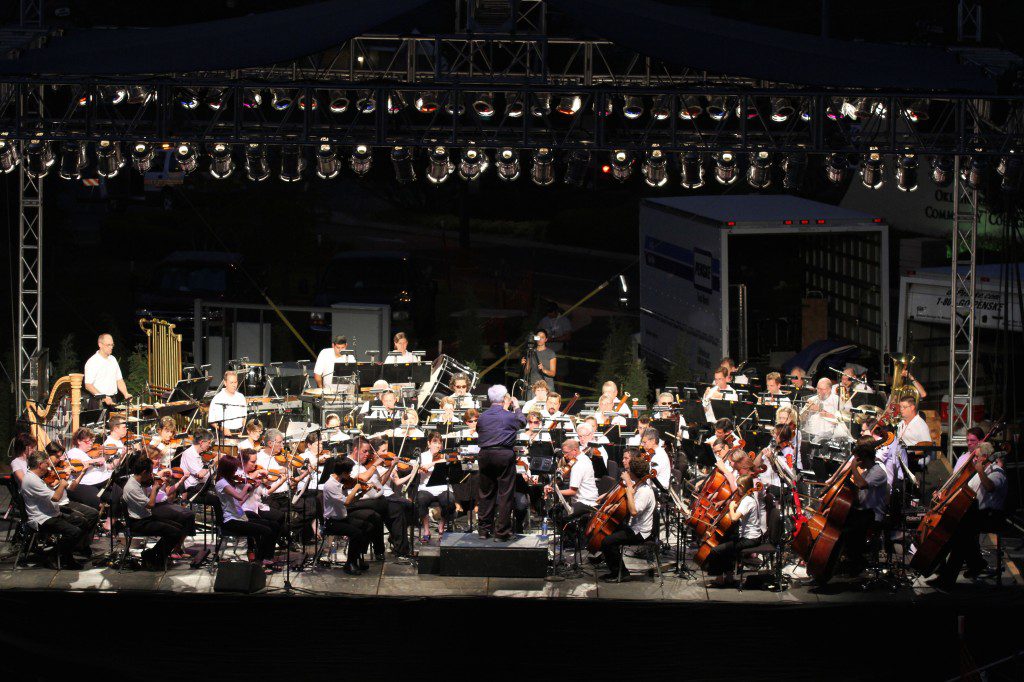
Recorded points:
(138, 370)
(680, 371)
(470, 331)
(615, 359)
(67, 360)
(637, 381)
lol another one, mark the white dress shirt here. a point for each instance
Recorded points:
(325, 363)
(661, 462)
(103, 373)
(581, 478)
(642, 523)
(228, 410)
(913, 432)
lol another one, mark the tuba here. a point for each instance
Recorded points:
(899, 390)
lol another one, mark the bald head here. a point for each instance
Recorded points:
(570, 447)
(105, 342)
(824, 387)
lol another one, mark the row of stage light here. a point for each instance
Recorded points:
(470, 163)
(484, 104)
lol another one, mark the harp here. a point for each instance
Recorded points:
(58, 418)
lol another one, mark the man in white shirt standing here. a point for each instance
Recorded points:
(640, 499)
(323, 370)
(228, 408)
(103, 377)
(912, 429)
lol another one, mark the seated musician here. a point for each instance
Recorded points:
(103, 377)
(525, 483)
(255, 507)
(43, 513)
(821, 414)
(663, 407)
(718, 390)
(447, 415)
(912, 428)
(323, 368)
(196, 471)
(551, 410)
(610, 389)
(372, 507)
(228, 408)
(166, 430)
(386, 410)
(589, 446)
(167, 506)
(460, 392)
(140, 498)
(253, 435)
(395, 483)
(279, 494)
(539, 399)
(432, 494)
(798, 378)
(660, 462)
(410, 425)
(749, 522)
(975, 437)
(337, 521)
(534, 431)
(642, 424)
(640, 498)
(986, 515)
(734, 378)
(787, 414)
(870, 506)
(232, 491)
(401, 351)
(773, 394)
(776, 459)
(606, 413)
(373, 404)
(81, 515)
(581, 492)
(888, 456)
(97, 470)
(724, 438)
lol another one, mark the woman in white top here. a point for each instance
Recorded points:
(253, 436)
(97, 470)
(747, 514)
(409, 427)
(232, 492)
(163, 440)
(429, 495)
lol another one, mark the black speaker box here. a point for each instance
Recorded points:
(239, 576)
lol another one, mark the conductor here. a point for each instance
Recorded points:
(497, 429)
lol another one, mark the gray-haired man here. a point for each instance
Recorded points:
(497, 429)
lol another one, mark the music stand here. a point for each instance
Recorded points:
(724, 409)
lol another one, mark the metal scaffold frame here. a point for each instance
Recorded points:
(30, 282)
(962, 306)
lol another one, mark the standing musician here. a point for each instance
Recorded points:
(912, 429)
(401, 352)
(103, 377)
(497, 430)
(228, 408)
(821, 415)
(539, 399)
(253, 436)
(581, 492)
(433, 494)
(232, 492)
(748, 517)
(196, 470)
(985, 515)
(718, 390)
(140, 498)
(337, 521)
(640, 499)
(43, 513)
(323, 368)
(872, 501)
(460, 392)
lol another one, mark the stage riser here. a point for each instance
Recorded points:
(466, 554)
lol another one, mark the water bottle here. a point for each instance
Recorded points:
(334, 551)
(544, 525)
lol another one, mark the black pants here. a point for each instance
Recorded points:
(358, 534)
(271, 518)
(70, 531)
(497, 483)
(89, 495)
(859, 524)
(169, 511)
(261, 532)
(611, 548)
(445, 501)
(723, 557)
(965, 546)
(169, 532)
(520, 505)
(374, 520)
(395, 516)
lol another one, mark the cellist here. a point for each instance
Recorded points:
(746, 511)
(640, 499)
(870, 505)
(986, 514)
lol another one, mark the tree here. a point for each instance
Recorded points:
(138, 370)
(637, 381)
(67, 361)
(617, 353)
(680, 371)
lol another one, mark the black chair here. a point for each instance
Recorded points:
(221, 535)
(650, 550)
(770, 550)
(605, 485)
(27, 537)
(322, 543)
(122, 525)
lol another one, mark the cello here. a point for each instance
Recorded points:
(720, 525)
(952, 501)
(611, 515)
(817, 541)
(708, 500)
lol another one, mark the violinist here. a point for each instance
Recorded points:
(97, 471)
(23, 445)
(43, 514)
(162, 441)
(270, 458)
(232, 492)
(432, 494)
(581, 492)
(140, 498)
(539, 399)
(263, 484)
(82, 515)
(747, 514)
(718, 390)
(370, 506)
(589, 447)
(725, 437)
(337, 520)
(447, 407)
(396, 479)
(787, 414)
(886, 455)
(870, 506)
(253, 435)
(775, 458)
(115, 441)
(525, 482)
(985, 515)
(642, 424)
(166, 508)
(193, 463)
(640, 499)
(660, 462)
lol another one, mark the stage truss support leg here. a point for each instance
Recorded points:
(962, 309)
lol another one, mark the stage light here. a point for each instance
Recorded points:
(185, 155)
(293, 162)
(313, 103)
(38, 158)
(661, 109)
(726, 171)
(142, 156)
(781, 109)
(690, 107)
(576, 167)
(692, 170)
(337, 101)
(568, 105)
(483, 105)
(327, 164)
(507, 164)
(906, 173)
(609, 107)
(655, 167)
(8, 155)
(541, 104)
(222, 164)
(1009, 168)
(872, 170)
(621, 165)
(916, 110)
(252, 98)
(455, 107)
(109, 158)
(514, 105)
(256, 167)
(141, 94)
(187, 98)
(759, 171)
(834, 111)
(749, 109)
(717, 108)
(396, 102)
(280, 99)
(361, 159)
(401, 159)
(836, 168)
(973, 170)
(632, 107)
(426, 102)
(439, 166)
(113, 94)
(366, 102)
(73, 159)
(942, 170)
(794, 168)
(472, 163)
(863, 108)
(806, 105)
(215, 98)
(542, 173)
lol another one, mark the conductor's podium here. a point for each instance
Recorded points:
(467, 554)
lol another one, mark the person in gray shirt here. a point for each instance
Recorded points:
(541, 363)
(44, 514)
(139, 497)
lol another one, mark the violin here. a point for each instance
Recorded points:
(182, 441)
(403, 465)
(565, 469)
(290, 459)
(172, 474)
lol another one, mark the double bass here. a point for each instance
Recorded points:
(817, 541)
